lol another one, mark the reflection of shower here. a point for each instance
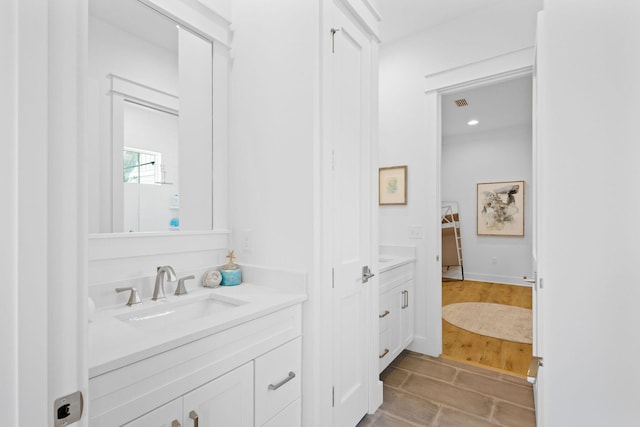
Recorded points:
(139, 165)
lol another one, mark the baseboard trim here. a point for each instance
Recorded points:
(424, 346)
(504, 280)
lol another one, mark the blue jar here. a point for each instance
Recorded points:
(231, 277)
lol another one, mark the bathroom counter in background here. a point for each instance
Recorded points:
(388, 262)
(394, 256)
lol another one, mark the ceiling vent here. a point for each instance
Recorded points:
(461, 102)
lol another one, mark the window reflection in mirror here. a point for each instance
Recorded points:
(149, 121)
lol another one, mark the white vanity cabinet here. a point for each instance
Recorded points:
(396, 310)
(225, 401)
(243, 376)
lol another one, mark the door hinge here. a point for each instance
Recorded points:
(333, 278)
(333, 39)
(333, 397)
(532, 372)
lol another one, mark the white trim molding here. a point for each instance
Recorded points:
(516, 62)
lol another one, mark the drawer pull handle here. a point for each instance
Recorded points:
(283, 382)
(385, 314)
(384, 353)
(194, 416)
(176, 423)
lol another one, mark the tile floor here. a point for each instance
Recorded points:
(421, 390)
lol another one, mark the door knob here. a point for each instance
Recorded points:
(366, 274)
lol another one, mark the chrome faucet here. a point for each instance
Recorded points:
(158, 290)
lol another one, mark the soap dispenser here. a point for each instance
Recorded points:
(231, 273)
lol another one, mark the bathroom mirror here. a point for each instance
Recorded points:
(150, 121)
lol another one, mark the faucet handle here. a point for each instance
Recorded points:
(180, 289)
(134, 297)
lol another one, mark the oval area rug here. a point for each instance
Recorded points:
(501, 321)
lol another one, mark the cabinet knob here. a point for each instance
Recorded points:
(194, 416)
(176, 423)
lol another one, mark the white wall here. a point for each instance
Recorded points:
(273, 141)
(404, 107)
(589, 102)
(273, 117)
(9, 215)
(492, 156)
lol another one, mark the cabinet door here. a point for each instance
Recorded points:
(226, 401)
(395, 322)
(407, 313)
(169, 415)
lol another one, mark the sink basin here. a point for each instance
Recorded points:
(165, 315)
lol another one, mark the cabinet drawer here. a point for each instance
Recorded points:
(291, 416)
(277, 382)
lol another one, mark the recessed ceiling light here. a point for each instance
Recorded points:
(473, 122)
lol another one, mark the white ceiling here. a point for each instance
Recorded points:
(502, 105)
(401, 18)
(496, 106)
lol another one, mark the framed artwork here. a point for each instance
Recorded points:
(392, 185)
(501, 208)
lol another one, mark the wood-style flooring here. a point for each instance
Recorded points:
(429, 391)
(493, 353)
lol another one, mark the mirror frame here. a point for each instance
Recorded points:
(215, 28)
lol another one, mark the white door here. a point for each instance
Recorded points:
(349, 138)
(537, 225)
(226, 401)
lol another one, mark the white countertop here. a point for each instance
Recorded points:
(387, 262)
(114, 343)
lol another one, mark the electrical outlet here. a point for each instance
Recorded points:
(246, 240)
(415, 232)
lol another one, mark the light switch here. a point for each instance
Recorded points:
(415, 232)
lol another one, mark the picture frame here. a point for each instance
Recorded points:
(500, 208)
(392, 185)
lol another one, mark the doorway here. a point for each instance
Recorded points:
(486, 173)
